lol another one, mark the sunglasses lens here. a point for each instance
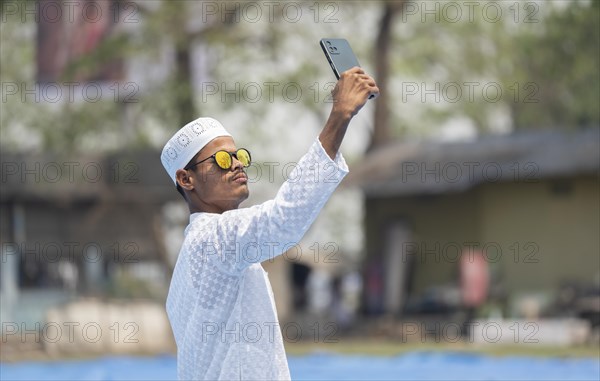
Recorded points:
(243, 156)
(223, 159)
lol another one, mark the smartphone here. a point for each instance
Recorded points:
(340, 55)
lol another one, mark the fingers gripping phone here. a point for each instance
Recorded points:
(340, 55)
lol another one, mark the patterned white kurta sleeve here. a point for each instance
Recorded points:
(220, 303)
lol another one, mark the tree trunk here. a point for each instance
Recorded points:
(381, 129)
(183, 84)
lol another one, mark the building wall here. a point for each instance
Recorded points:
(93, 238)
(440, 224)
(548, 231)
(536, 234)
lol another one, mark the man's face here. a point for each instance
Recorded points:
(215, 189)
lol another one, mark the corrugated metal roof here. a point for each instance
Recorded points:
(137, 176)
(437, 167)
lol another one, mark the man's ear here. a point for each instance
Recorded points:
(184, 179)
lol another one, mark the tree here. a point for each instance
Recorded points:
(381, 121)
(519, 65)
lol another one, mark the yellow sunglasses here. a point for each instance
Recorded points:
(224, 159)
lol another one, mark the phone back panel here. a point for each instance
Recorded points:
(339, 54)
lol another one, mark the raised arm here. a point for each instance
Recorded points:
(349, 95)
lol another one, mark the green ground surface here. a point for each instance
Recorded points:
(361, 347)
(391, 348)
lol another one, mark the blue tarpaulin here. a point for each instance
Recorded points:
(325, 366)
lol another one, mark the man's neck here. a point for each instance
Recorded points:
(211, 208)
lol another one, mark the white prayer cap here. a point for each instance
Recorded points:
(188, 141)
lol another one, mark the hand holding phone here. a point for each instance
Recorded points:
(340, 56)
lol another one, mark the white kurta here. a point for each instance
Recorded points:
(220, 302)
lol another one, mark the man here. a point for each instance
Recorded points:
(220, 302)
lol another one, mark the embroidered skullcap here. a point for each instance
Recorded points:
(188, 141)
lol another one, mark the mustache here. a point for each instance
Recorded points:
(238, 174)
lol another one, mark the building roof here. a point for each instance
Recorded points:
(121, 177)
(401, 168)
